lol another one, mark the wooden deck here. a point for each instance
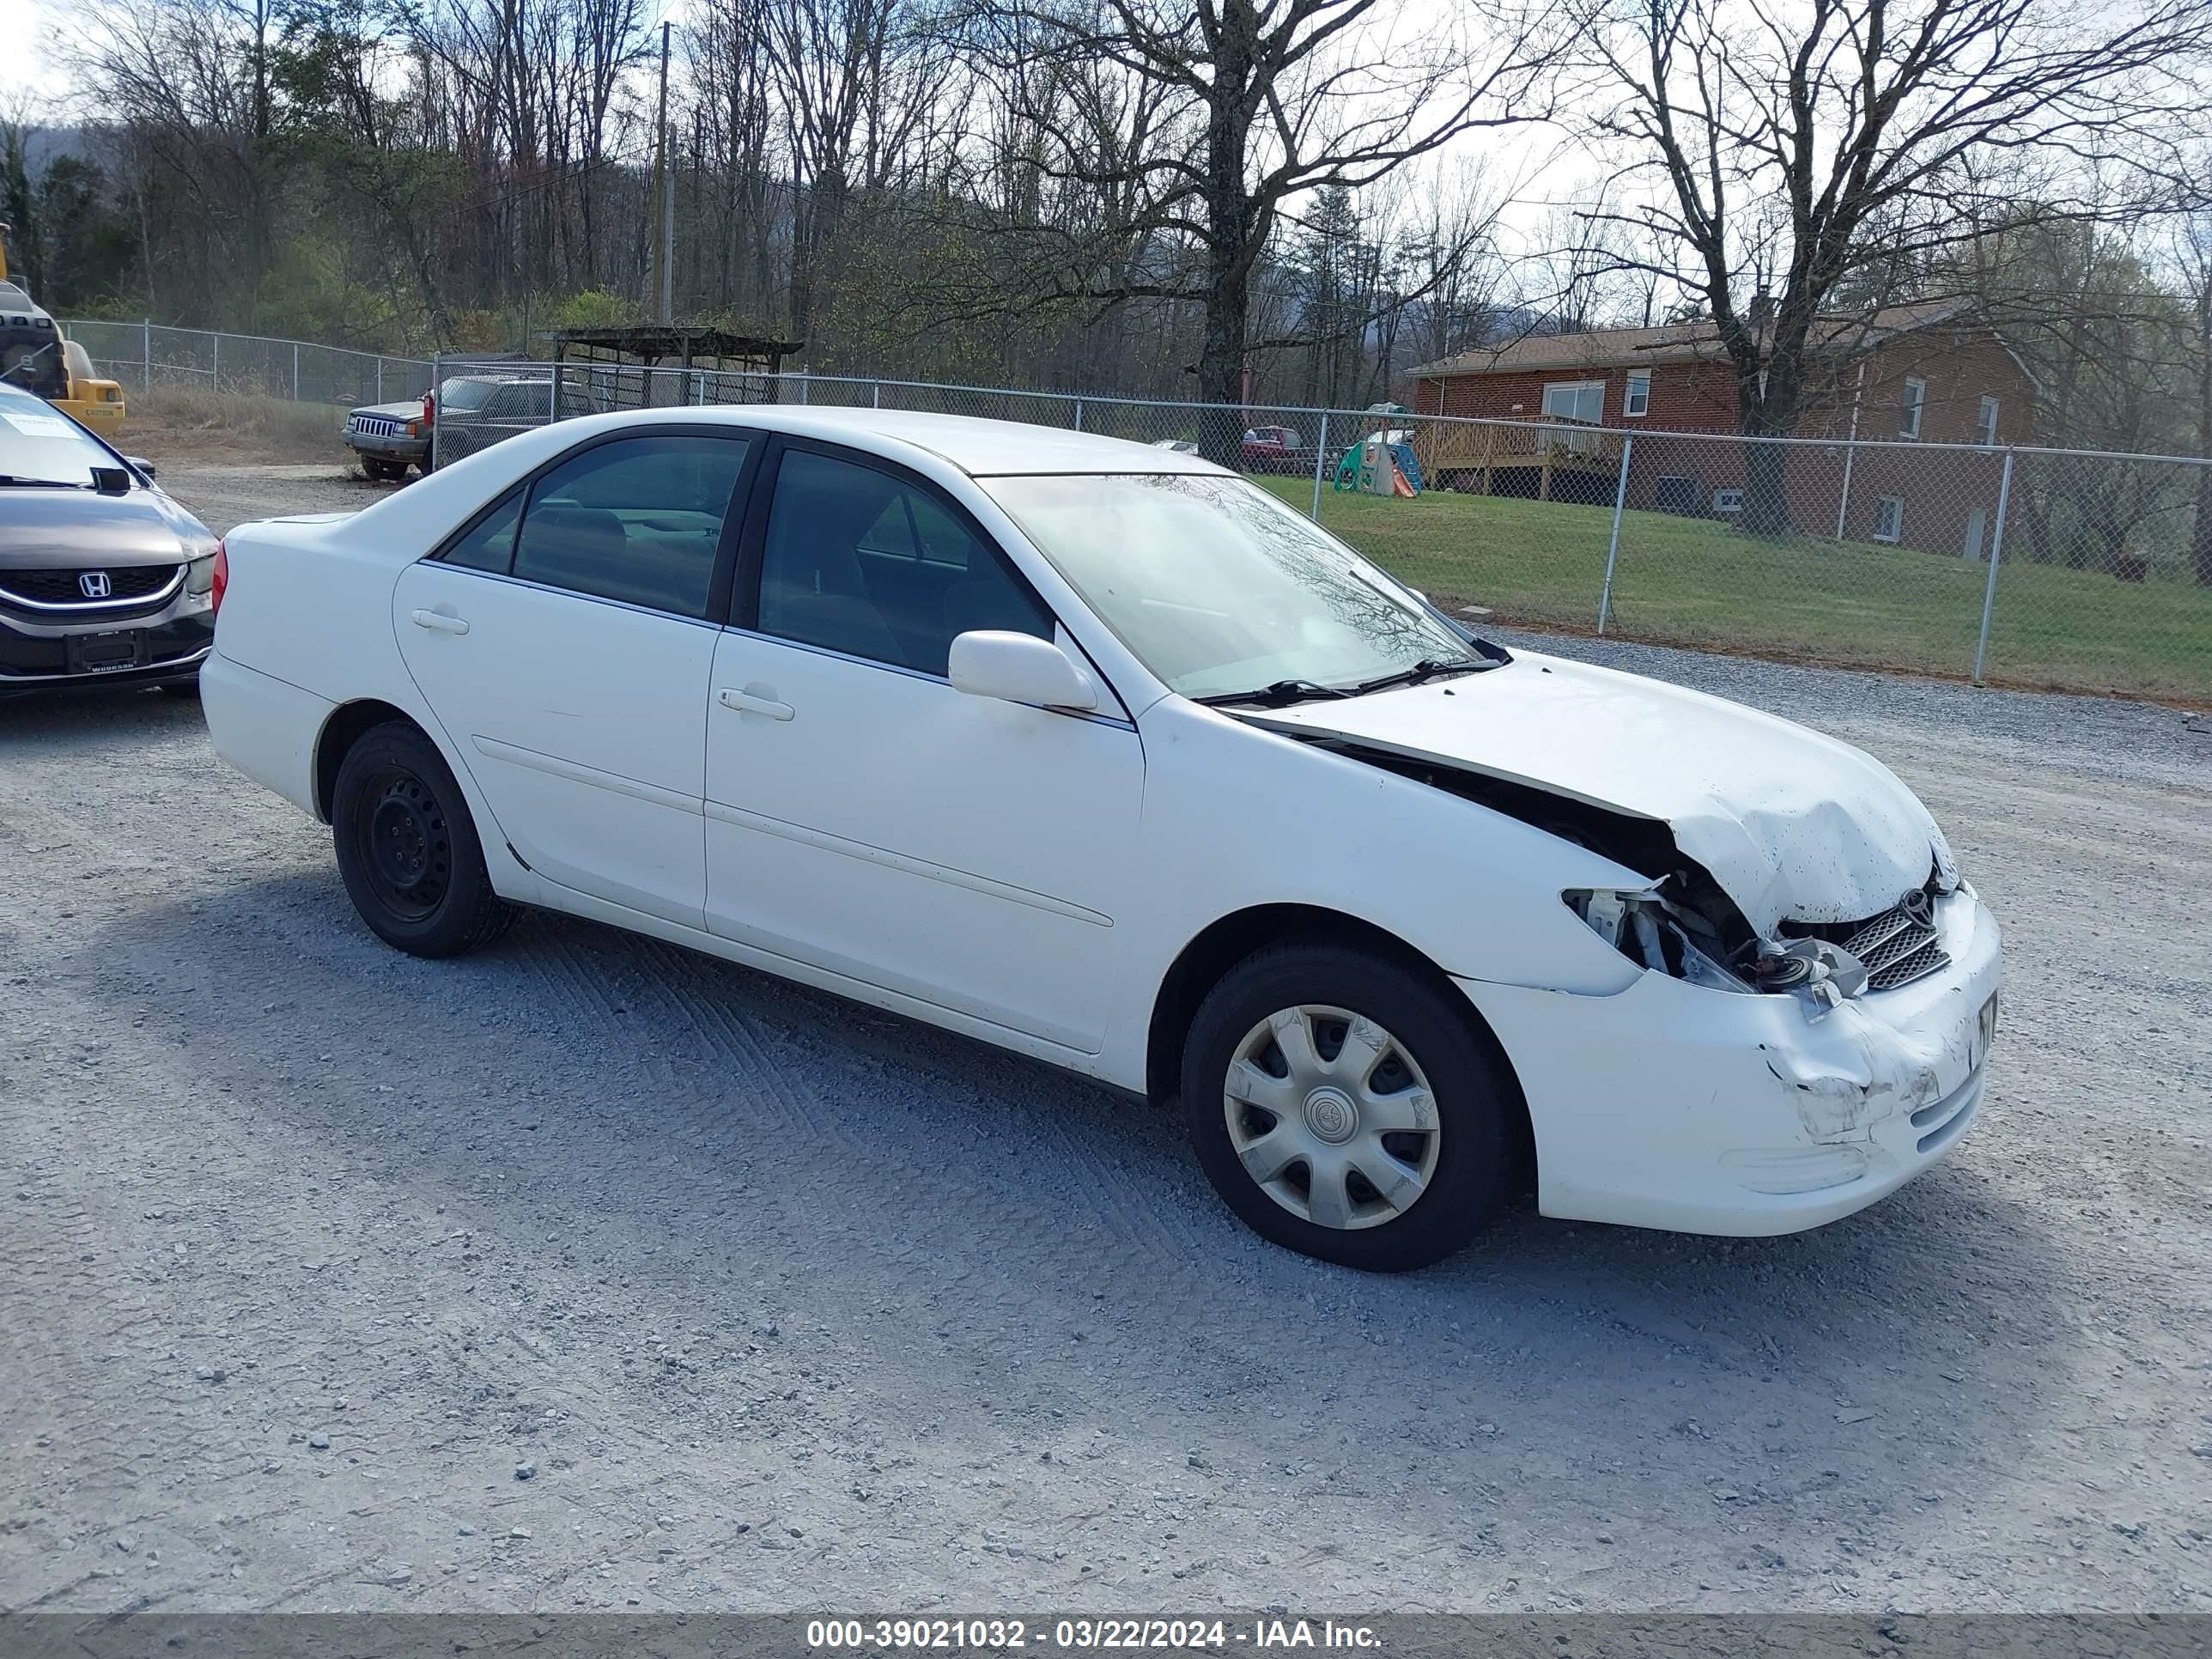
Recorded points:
(1480, 454)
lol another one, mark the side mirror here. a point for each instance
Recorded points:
(1018, 668)
(145, 467)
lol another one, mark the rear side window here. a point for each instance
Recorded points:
(490, 544)
(639, 520)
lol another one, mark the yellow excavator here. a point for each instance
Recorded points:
(35, 355)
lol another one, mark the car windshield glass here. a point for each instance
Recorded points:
(465, 394)
(36, 443)
(1219, 587)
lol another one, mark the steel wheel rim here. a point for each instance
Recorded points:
(405, 845)
(1332, 1117)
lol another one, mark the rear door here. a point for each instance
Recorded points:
(563, 642)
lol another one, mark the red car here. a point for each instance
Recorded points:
(1275, 449)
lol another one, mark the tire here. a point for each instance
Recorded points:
(407, 847)
(384, 471)
(1436, 1186)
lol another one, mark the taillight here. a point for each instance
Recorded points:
(222, 584)
(430, 407)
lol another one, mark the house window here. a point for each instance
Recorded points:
(1889, 519)
(1575, 400)
(1916, 399)
(1985, 425)
(1636, 395)
(1728, 500)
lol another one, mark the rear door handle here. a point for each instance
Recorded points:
(439, 623)
(749, 703)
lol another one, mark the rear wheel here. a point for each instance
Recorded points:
(1343, 1106)
(408, 849)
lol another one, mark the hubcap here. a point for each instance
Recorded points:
(1332, 1115)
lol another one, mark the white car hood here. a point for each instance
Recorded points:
(1793, 825)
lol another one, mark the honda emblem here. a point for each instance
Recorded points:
(95, 584)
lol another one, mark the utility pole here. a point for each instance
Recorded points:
(667, 195)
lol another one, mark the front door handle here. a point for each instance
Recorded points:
(439, 622)
(750, 701)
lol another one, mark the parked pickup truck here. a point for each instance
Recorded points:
(481, 408)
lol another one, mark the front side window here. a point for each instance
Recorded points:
(1216, 588)
(1916, 399)
(639, 520)
(864, 563)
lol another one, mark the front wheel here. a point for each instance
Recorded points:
(407, 847)
(1343, 1107)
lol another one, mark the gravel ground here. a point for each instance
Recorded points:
(587, 1272)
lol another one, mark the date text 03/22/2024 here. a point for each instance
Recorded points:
(1008, 1635)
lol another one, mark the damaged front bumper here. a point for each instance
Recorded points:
(1671, 1105)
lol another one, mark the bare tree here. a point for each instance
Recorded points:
(1797, 160)
(1261, 104)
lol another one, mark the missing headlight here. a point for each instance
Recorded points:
(1663, 938)
(1654, 933)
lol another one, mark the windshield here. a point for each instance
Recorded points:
(465, 395)
(1219, 587)
(37, 444)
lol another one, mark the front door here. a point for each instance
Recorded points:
(864, 816)
(563, 642)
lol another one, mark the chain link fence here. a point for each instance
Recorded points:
(143, 356)
(2064, 570)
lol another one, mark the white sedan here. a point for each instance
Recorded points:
(1096, 752)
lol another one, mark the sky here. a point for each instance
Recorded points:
(29, 71)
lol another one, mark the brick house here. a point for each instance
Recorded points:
(1913, 376)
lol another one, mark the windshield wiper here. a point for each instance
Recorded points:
(7, 480)
(1428, 668)
(1279, 695)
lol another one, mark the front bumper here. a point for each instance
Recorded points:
(176, 637)
(412, 450)
(1669, 1105)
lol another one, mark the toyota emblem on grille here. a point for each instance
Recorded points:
(1916, 906)
(95, 584)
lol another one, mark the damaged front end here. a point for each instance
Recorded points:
(1684, 924)
(1821, 963)
(1814, 988)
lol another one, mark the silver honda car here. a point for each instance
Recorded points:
(103, 578)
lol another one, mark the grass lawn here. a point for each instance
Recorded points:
(1693, 582)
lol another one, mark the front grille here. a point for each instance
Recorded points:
(377, 426)
(126, 586)
(1897, 947)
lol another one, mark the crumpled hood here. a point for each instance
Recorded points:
(1793, 825)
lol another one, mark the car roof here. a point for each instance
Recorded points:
(981, 448)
